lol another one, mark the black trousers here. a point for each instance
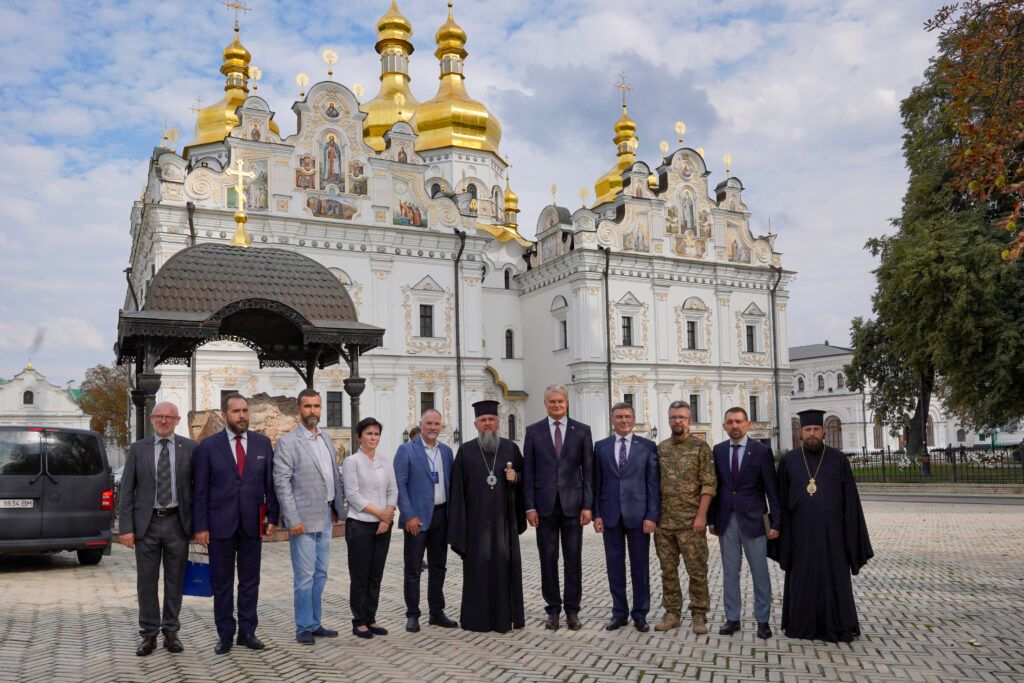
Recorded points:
(435, 542)
(165, 543)
(225, 553)
(367, 554)
(555, 528)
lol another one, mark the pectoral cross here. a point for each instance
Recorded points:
(240, 185)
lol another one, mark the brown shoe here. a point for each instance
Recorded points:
(700, 624)
(172, 643)
(147, 646)
(669, 621)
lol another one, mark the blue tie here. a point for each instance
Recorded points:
(735, 463)
(622, 455)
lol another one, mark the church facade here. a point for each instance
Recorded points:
(657, 292)
(28, 399)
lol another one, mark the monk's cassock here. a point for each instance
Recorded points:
(484, 524)
(823, 538)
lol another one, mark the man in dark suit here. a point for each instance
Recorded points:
(627, 503)
(423, 472)
(558, 471)
(234, 475)
(155, 518)
(745, 469)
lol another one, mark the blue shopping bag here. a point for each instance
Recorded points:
(197, 573)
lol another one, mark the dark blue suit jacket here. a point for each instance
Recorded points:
(570, 477)
(415, 483)
(223, 501)
(745, 498)
(633, 496)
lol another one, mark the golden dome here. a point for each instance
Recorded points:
(511, 198)
(214, 123)
(394, 33)
(452, 118)
(626, 142)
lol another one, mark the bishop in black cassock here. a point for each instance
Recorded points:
(823, 538)
(486, 514)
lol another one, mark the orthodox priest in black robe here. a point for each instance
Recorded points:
(823, 538)
(486, 514)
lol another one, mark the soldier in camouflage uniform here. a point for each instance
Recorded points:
(688, 483)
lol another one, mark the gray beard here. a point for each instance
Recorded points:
(311, 421)
(489, 441)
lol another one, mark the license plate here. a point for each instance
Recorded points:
(16, 503)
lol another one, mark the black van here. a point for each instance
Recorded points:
(56, 492)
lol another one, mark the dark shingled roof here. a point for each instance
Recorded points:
(206, 277)
(816, 351)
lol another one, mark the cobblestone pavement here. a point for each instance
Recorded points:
(943, 600)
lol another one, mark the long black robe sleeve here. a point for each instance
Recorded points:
(855, 529)
(457, 507)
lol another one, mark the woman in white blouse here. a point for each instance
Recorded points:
(372, 494)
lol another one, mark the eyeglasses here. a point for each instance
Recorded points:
(675, 418)
(165, 417)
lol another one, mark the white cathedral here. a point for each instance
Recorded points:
(657, 292)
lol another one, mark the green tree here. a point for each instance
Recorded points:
(948, 312)
(105, 398)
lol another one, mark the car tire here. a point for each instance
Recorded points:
(91, 556)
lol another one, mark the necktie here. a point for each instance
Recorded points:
(735, 462)
(163, 476)
(622, 455)
(558, 439)
(239, 454)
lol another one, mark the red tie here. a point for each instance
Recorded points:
(239, 454)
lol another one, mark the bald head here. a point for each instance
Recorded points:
(165, 419)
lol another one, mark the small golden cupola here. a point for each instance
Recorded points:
(452, 118)
(610, 184)
(394, 44)
(511, 207)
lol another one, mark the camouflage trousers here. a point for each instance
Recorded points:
(693, 546)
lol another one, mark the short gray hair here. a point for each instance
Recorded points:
(678, 405)
(623, 406)
(560, 388)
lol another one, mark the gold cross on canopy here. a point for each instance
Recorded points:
(241, 237)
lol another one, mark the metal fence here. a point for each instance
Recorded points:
(950, 465)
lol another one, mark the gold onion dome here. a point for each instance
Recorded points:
(394, 44)
(626, 142)
(452, 117)
(511, 198)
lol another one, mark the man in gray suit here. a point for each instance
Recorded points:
(310, 494)
(156, 519)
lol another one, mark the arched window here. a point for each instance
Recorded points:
(795, 426)
(510, 344)
(512, 428)
(961, 435)
(799, 383)
(471, 190)
(435, 189)
(508, 279)
(821, 381)
(834, 432)
(879, 438)
(28, 398)
(840, 380)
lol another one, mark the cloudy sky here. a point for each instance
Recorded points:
(804, 94)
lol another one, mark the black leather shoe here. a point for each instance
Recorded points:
(412, 625)
(361, 634)
(223, 646)
(641, 625)
(552, 622)
(172, 643)
(250, 641)
(764, 631)
(441, 619)
(729, 628)
(573, 621)
(147, 646)
(321, 632)
(378, 630)
(305, 638)
(616, 623)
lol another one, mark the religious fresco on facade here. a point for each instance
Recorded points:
(254, 132)
(305, 174)
(404, 210)
(689, 246)
(357, 181)
(257, 188)
(331, 206)
(637, 239)
(331, 110)
(735, 250)
(332, 164)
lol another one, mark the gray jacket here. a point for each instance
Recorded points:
(138, 485)
(301, 485)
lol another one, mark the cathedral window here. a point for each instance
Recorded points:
(508, 279)
(426, 320)
(691, 334)
(834, 432)
(799, 383)
(512, 428)
(695, 409)
(627, 330)
(840, 380)
(563, 332)
(510, 342)
(28, 398)
(335, 409)
(435, 189)
(560, 316)
(754, 405)
(751, 339)
(471, 189)
(821, 382)
(426, 401)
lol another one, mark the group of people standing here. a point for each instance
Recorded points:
(233, 489)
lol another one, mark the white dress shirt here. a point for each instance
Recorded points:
(324, 462)
(436, 465)
(231, 443)
(742, 443)
(562, 423)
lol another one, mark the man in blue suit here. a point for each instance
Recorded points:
(234, 484)
(423, 471)
(558, 476)
(745, 469)
(627, 503)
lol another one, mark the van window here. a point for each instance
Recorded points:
(19, 453)
(69, 453)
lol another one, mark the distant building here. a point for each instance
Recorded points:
(28, 399)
